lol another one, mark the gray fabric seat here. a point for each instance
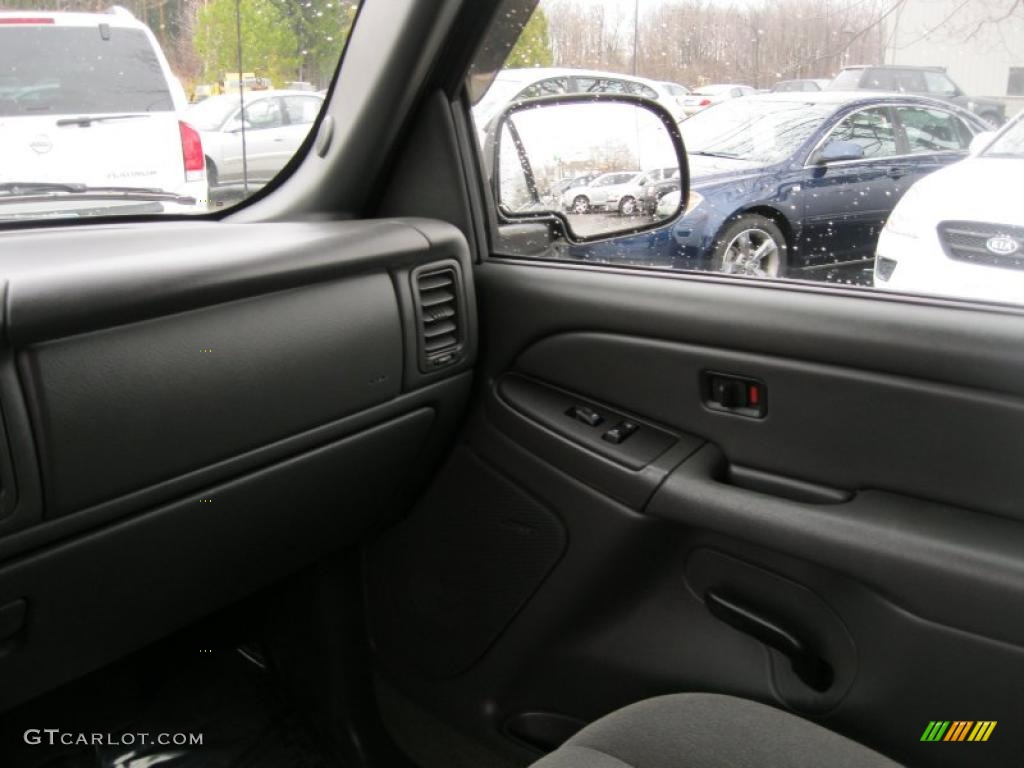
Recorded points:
(702, 730)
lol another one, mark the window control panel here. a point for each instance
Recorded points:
(595, 426)
(620, 431)
(589, 416)
(739, 395)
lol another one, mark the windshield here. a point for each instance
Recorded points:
(758, 130)
(847, 80)
(69, 70)
(1010, 143)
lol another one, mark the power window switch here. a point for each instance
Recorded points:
(588, 416)
(620, 432)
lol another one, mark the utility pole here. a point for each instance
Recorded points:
(241, 96)
(636, 30)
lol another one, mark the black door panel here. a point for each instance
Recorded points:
(870, 519)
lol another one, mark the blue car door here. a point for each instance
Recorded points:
(846, 203)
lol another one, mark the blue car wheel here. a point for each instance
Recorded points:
(751, 246)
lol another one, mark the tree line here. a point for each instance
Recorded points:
(281, 39)
(696, 42)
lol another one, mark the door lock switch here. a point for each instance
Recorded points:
(620, 431)
(588, 416)
(728, 392)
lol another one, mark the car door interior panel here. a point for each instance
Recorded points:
(827, 549)
(172, 413)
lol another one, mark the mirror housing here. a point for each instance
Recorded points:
(583, 163)
(980, 142)
(839, 151)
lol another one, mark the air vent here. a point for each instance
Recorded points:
(439, 308)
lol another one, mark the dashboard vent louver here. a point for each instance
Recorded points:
(438, 300)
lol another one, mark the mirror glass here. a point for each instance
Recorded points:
(604, 166)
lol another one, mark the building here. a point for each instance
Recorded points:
(979, 42)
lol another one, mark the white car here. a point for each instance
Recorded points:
(958, 232)
(616, 191)
(276, 124)
(515, 84)
(89, 103)
(709, 95)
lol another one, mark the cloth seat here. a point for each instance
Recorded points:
(702, 730)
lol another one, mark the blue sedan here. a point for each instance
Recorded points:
(796, 184)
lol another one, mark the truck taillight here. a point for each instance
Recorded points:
(26, 20)
(705, 102)
(192, 152)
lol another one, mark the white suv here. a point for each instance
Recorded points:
(616, 191)
(89, 106)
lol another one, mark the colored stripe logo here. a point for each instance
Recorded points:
(958, 730)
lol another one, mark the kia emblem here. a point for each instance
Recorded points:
(1002, 245)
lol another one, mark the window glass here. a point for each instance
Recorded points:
(872, 129)
(262, 114)
(552, 86)
(852, 81)
(939, 84)
(895, 79)
(92, 74)
(99, 102)
(639, 89)
(600, 85)
(847, 80)
(1015, 82)
(933, 130)
(754, 131)
(1009, 144)
(302, 109)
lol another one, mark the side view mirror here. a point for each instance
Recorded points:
(980, 141)
(580, 161)
(838, 151)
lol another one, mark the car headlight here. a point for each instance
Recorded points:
(907, 217)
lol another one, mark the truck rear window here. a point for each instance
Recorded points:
(55, 70)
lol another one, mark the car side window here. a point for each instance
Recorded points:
(872, 129)
(553, 86)
(263, 114)
(933, 130)
(939, 83)
(840, 181)
(301, 110)
(903, 80)
(639, 89)
(600, 85)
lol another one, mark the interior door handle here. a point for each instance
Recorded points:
(807, 665)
